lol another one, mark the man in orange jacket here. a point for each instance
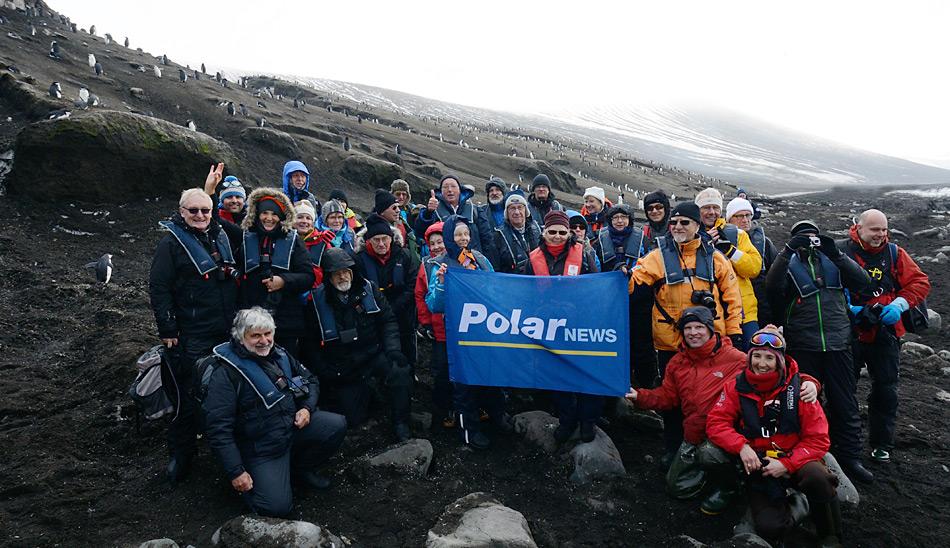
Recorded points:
(897, 284)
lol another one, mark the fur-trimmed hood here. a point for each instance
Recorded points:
(287, 224)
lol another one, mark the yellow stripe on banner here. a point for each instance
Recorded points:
(539, 347)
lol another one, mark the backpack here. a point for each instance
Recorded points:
(147, 390)
(916, 319)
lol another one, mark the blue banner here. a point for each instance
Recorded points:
(567, 333)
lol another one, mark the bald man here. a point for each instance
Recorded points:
(897, 284)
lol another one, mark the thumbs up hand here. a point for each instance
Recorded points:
(433, 201)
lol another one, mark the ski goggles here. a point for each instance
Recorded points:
(767, 339)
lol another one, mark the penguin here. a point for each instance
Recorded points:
(346, 144)
(103, 268)
(197, 75)
(32, 30)
(398, 149)
(93, 100)
(126, 41)
(296, 103)
(92, 30)
(92, 60)
(108, 39)
(261, 104)
(157, 71)
(243, 109)
(54, 49)
(75, 28)
(98, 68)
(217, 77)
(329, 109)
(359, 119)
(224, 83)
(230, 108)
(261, 122)
(61, 114)
(164, 59)
(182, 77)
(84, 96)
(55, 91)
(440, 138)
(191, 125)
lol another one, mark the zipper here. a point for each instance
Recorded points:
(821, 325)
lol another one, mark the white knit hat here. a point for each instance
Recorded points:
(596, 192)
(304, 206)
(710, 196)
(736, 205)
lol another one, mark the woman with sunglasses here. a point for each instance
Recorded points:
(656, 206)
(780, 438)
(560, 254)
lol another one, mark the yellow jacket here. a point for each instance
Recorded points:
(747, 262)
(676, 297)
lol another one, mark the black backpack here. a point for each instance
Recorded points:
(916, 319)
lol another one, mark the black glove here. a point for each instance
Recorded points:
(798, 241)
(828, 247)
(726, 247)
(398, 359)
(736, 341)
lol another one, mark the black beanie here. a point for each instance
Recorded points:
(657, 197)
(806, 225)
(337, 194)
(688, 210)
(699, 314)
(384, 200)
(376, 225)
(269, 204)
(540, 180)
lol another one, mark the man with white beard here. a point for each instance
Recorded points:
(517, 236)
(494, 210)
(356, 347)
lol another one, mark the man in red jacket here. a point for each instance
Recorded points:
(897, 284)
(694, 379)
(780, 440)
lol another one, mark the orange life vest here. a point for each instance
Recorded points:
(572, 265)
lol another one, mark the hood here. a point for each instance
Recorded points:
(853, 234)
(287, 224)
(290, 167)
(448, 235)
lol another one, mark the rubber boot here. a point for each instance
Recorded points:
(471, 432)
(827, 518)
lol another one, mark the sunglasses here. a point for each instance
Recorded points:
(230, 184)
(579, 227)
(681, 222)
(197, 210)
(557, 232)
(655, 207)
(767, 339)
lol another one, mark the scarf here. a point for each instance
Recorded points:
(619, 237)
(467, 259)
(381, 259)
(555, 250)
(763, 383)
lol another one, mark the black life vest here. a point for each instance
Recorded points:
(827, 277)
(520, 245)
(632, 249)
(280, 259)
(757, 235)
(326, 321)
(204, 262)
(730, 232)
(316, 252)
(371, 269)
(780, 416)
(674, 271)
(880, 268)
(255, 375)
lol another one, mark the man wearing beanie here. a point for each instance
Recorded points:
(351, 219)
(393, 270)
(656, 206)
(808, 282)
(408, 210)
(494, 211)
(595, 209)
(387, 206)
(517, 236)
(735, 244)
(232, 199)
(541, 200)
(684, 270)
(740, 213)
(780, 435)
(453, 199)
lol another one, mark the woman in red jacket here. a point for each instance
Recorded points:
(432, 327)
(779, 439)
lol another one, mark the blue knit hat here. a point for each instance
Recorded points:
(231, 186)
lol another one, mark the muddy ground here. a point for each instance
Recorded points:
(77, 472)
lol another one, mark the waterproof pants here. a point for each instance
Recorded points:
(441, 387)
(771, 512)
(352, 398)
(748, 329)
(835, 372)
(694, 465)
(672, 419)
(468, 399)
(643, 360)
(311, 447)
(573, 407)
(882, 358)
(179, 379)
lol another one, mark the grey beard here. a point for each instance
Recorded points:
(342, 287)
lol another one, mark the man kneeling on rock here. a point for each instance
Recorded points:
(694, 379)
(762, 417)
(261, 417)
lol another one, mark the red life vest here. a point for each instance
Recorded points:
(572, 265)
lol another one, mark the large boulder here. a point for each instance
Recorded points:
(596, 460)
(26, 98)
(369, 172)
(847, 492)
(411, 458)
(915, 351)
(114, 157)
(261, 532)
(934, 320)
(278, 142)
(537, 427)
(478, 520)
(159, 543)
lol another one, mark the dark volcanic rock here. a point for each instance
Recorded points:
(560, 180)
(27, 98)
(118, 157)
(274, 141)
(370, 172)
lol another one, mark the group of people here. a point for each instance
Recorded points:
(299, 317)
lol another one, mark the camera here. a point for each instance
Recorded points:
(702, 297)
(870, 315)
(815, 241)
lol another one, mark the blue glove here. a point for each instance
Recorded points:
(855, 310)
(891, 313)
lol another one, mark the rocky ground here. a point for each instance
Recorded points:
(80, 471)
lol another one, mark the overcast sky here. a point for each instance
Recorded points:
(873, 74)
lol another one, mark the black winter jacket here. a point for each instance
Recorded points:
(398, 293)
(819, 323)
(238, 427)
(512, 250)
(765, 312)
(186, 303)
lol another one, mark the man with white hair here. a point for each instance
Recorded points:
(261, 417)
(193, 293)
(897, 284)
(517, 236)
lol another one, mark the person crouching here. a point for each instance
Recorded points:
(261, 417)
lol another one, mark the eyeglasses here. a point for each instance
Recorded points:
(655, 207)
(196, 210)
(557, 232)
(742, 216)
(230, 184)
(681, 222)
(394, 207)
(579, 227)
(767, 339)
